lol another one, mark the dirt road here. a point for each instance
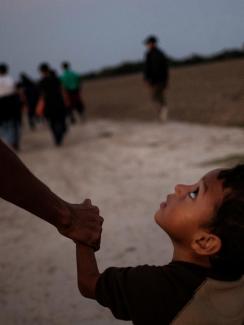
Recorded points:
(126, 169)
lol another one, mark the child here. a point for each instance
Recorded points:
(204, 283)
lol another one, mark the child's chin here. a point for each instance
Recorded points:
(157, 217)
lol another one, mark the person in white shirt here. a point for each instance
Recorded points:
(6, 82)
(10, 109)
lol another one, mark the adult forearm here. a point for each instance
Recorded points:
(20, 187)
(87, 270)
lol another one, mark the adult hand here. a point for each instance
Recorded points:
(85, 224)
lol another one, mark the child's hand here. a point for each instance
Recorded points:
(84, 224)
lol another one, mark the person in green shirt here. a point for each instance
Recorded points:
(71, 82)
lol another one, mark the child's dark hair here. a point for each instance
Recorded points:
(228, 224)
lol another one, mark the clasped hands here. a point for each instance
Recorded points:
(82, 223)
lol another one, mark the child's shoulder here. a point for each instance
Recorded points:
(150, 277)
(129, 292)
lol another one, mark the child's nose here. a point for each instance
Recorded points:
(180, 189)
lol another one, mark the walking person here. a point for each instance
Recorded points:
(71, 82)
(156, 74)
(31, 95)
(54, 108)
(10, 109)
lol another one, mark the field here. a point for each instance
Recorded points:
(126, 162)
(208, 93)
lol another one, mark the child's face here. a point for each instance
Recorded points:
(190, 208)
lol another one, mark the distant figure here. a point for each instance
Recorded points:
(10, 109)
(71, 82)
(54, 109)
(30, 93)
(156, 74)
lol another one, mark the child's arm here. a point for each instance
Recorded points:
(87, 270)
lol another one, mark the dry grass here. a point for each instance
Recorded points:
(209, 93)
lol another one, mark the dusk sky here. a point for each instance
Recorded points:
(92, 34)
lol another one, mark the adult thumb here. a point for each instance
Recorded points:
(87, 202)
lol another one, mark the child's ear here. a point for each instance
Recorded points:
(206, 244)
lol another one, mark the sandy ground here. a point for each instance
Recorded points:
(127, 169)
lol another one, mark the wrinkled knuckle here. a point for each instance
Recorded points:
(63, 231)
(93, 213)
(96, 210)
(101, 220)
(97, 247)
(96, 237)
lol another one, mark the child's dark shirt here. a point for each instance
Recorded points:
(176, 293)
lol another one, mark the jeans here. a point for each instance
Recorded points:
(58, 128)
(10, 133)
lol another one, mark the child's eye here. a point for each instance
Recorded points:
(193, 194)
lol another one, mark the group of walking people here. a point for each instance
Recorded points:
(56, 98)
(52, 98)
